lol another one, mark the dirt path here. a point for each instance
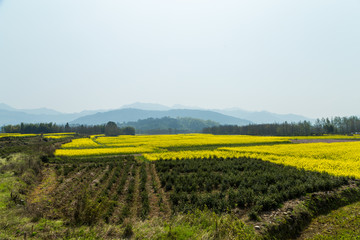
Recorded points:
(45, 188)
(102, 186)
(136, 206)
(99, 176)
(63, 198)
(163, 198)
(152, 190)
(122, 197)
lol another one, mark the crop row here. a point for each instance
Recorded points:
(91, 159)
(103, 191)
(101, 151)
(125, 212)
(222, 184)
(143, 192)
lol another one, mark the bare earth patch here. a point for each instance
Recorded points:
(47, 186)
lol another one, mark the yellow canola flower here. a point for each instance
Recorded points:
(328, 136)
(82, 143)
(190, 155)
(338, 158)
(100, 151)
(342, 159)
(58, 135)
(17, 135)
(186, 140)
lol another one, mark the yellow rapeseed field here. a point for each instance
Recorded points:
(187, 140)
(191, 154)
(327, 136)
(101, 151)
(338, 158)
(17, 135)
(341, 159)
(82, 143)
(58, 135)
(157, 143)
(46, 135)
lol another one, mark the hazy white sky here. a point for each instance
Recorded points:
(298, 56)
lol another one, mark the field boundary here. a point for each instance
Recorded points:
(289, 225)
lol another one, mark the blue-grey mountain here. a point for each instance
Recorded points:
(131, 114)
(263, 116)
(138, 111)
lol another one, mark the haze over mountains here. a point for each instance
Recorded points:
(132, 114)
(139, 111)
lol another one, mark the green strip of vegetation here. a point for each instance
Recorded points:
(224, 184)
(316, 204)
(145, 207)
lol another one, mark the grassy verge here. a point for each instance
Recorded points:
(290, 225)
(197, 225)
(342, 223)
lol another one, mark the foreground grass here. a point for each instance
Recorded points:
(10, 212)
(198, 225)
(6, 183)
(342, 223)
(17, 222)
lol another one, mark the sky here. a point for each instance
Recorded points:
(299, 56)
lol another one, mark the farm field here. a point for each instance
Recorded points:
(225, 184)
(338, 158)
(186, 186)
(47, 135)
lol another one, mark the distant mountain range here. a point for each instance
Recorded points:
(140, 111)
(252, 116)
(132, 114)
(10, 115)
(263, 116)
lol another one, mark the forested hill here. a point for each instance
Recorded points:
(167, 125)
(130, 114)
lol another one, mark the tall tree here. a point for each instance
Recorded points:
(111, 129)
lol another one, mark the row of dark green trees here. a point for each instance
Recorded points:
(224, 184)
(336, 125)
(109, 129)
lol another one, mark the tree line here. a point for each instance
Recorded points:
(109, 129)
(336, 125)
